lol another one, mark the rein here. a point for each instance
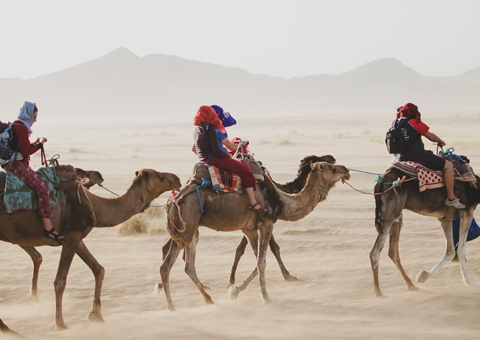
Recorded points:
(179, 212)
(102, 186)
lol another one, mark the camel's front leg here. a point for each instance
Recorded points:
(265, 230)
(99, 273)
(190, 253)
(394, 254)
(375, 257)
(68, 251)
(449, 252)
(165, 268)
(37, 261)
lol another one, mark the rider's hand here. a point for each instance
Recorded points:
(440, 143)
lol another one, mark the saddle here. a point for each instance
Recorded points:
(16, 195)
(222, 180)
(430, 179)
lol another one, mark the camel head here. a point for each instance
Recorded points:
(155, 183)
(92, 177)
(330, 173)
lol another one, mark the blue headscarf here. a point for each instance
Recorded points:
(25, 115)
(225, 117)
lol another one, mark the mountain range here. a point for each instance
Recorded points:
(121, 86)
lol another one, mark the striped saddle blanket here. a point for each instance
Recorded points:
(430, 179)
(224, 181)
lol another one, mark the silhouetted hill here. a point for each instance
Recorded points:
(123, 86)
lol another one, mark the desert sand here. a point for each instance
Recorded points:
(327, 251)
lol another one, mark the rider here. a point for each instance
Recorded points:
(227, 120)
(207, 148)
(415, 150)
(22, 128)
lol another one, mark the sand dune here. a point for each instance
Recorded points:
(328, 250)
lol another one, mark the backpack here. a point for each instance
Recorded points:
(394, 139)
(8, 143)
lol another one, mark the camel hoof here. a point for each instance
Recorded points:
(422, 277)
(266, 301)
(412, 288)
(33, 297)
(290, 278)
(233, 292)
(60, 327)
(95, 317)
(158, 288)
(171, 308)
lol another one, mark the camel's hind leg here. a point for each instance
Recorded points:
(393, 252)
(466, 218)
(99, 273)
(165, 268)
(238, 255)
(234, 290)
(66, 257)
(275, 248)
(190, 253)
(37, 261)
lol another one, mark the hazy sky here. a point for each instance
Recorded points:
(273, 37)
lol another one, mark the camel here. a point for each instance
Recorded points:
(81, 213)
(231, 213)
(389, 221)
(293, 187)
(92, 177)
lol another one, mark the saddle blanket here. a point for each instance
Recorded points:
(427, 178)
(18, 195)
(224, 181)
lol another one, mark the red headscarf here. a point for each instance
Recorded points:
(206, 114)
(409, 110)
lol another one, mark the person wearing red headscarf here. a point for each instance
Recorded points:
(208, 151)
(415, 149)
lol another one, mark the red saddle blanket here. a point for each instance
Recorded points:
(427, 178)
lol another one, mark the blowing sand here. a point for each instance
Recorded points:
(328, 250)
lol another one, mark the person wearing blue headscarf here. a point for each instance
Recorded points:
(20, 166)
(227, 120)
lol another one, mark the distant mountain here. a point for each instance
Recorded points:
(123, 86)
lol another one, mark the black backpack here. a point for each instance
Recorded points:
(8, 144)
(394, 139)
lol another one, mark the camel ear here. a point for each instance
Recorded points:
(136, 173)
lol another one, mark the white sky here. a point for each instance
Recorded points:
(274, 37)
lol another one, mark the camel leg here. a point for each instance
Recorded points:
(375, 258)
(394, 254)
(234, 290)
(465, 222)
(238, 255)
(66, 257)
(99, 273)
(37, 261)
(449, 253)
(265, 232)
(275, 248)
(190, 252)
(165, 268)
